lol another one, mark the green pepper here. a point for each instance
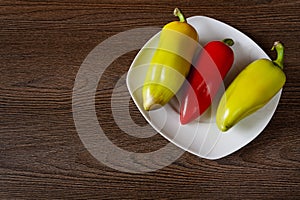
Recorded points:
(251, 89)
(170, 63)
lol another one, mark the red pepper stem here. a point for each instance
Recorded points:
(178, 14)
(280, 52)
(228, 41)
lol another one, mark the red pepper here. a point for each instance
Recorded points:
(205, 79)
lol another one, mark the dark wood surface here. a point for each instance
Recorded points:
(42, 45)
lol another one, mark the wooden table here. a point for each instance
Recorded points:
(43, 45)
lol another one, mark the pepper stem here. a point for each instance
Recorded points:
(280, 51)
(228, 41)
(178, 14)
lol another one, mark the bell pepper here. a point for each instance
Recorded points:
(170, 63)
(205, 79)
(251, 89)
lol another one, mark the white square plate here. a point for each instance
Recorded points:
(202, 137)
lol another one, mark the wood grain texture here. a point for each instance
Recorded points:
(42, 45)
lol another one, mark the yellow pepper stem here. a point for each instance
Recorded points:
(280, 52)
(178, 14)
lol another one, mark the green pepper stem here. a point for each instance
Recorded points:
(178, 14)
(280, 51)
(228, 41)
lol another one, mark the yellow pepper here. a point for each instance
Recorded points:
(170, 63)
(251, 89)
